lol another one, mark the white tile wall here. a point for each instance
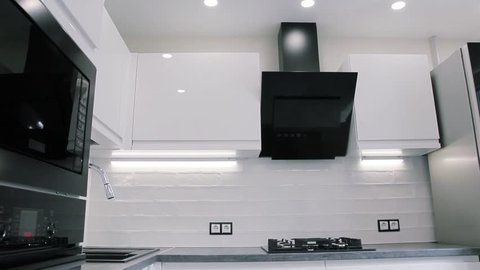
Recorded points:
(264, 199)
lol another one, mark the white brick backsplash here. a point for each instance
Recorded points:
(264, 199)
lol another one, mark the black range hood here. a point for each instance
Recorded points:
(305, 114)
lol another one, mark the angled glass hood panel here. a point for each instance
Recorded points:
(306, 115)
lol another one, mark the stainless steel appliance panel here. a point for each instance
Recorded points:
(455, 169)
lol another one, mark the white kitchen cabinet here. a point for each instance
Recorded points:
(88, 14)
(430, 263)
(394, 106)
(315, 265)
(90, 26)
(85, 18)
(439, 263)
(199, 101)
(114, 89)
(82, 20)
(71, 26)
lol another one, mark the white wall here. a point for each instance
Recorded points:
(264, 199)
(264, 46)
(333, 51)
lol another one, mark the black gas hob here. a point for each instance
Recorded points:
(314, 245)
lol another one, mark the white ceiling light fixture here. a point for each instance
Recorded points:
(210, 3)
(399, 5)
(307, 3)
(181, 91)
(167, 55)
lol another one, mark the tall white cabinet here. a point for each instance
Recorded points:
(394, 106)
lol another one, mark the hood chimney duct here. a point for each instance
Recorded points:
(298, 47)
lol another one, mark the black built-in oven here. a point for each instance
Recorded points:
(47, 85)
(38, 226)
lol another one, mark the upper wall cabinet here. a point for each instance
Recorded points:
(81, 19)
(90, 26)
(114, 89)
(394, 105)
(88, 15)
(201, 101)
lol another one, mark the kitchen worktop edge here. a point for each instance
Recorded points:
(257, 254)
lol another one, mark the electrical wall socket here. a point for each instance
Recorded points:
(388, 225)
(394, 225)
(215, 228)
(383, 226)
(226, 228)
(221, 228)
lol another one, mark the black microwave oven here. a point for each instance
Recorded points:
(47, 87)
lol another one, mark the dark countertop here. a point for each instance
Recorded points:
(257, 254)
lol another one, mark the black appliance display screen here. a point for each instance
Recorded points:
(28, 223)
(44, 97)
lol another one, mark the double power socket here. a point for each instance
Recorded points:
(221, 228)
(388, 225)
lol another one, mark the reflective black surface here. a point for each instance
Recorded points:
(47, 86)
(44, 96)
(300, 245)
(37, 222)
(306, 115)
(474, 52)
(298, 47)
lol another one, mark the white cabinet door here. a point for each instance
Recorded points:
(444, 263)
(198, 99)
(87, 15)
(394, 105)
(317, 265)
(114, 84)
(71, 26)
(89, 25)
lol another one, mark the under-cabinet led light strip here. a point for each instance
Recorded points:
(175, 166)
(380, 162)
(382, 152)
(174, 154)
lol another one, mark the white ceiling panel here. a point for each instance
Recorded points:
(152, 19)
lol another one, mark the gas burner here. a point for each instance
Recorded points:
(314, 245)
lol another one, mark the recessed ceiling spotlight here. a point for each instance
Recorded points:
(308, 3)
(398, 5)
(210, 3)
(167, 55)
(181, 91)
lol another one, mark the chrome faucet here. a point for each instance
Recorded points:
(106, 184)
